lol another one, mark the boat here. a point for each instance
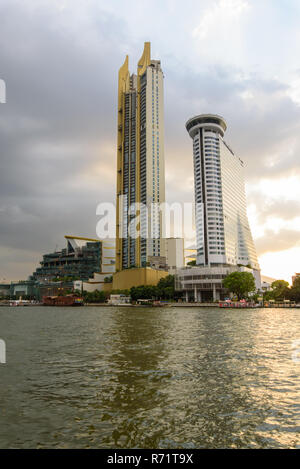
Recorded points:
(237, 304)
(67, 300)
(20, 303)
(160, 304)
(150, 302)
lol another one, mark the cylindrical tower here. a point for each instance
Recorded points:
(206, 130)
(207, 122)
(222, 228)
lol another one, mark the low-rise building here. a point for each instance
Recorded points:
(265, 286)
(20, 288)
(135, 277)
(102, 279)
(117, 300)
(205, 283)
(157, 262)
(89, 263)
(4, 289)
(73, 261)
(174, 253)
(54, 289)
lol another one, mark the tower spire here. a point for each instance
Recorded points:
(145, 59)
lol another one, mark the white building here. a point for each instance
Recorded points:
(266, 286)
(174, 253)
(222, 229)
(223, 236)
(119, 300)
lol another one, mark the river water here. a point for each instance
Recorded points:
(105, 377)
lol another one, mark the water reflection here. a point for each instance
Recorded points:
(156, 378)
(136, 394)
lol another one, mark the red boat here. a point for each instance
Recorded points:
(237, 304)
(68, 300)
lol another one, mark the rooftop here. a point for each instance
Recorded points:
(206, 120)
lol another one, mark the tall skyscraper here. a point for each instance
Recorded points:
(223, 237)
(140, 163)
(222, 228)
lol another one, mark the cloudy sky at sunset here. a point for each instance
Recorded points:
(60, 59)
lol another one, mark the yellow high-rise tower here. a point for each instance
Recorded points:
(140, 164)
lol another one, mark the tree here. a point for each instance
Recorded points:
(240, 283)
(296, 282)
(294, 292)
(165, 288)
(268, 295)
(192, 263)
(143, 292)
(280, 289)
(94, 296)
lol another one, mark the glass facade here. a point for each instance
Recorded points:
(78, 262)
(140, 162)
(222, 229)
(129, 175)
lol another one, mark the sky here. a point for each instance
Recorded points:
(60, 59)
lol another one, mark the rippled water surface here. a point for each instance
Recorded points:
(149, 378)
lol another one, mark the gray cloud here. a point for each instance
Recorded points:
(274, 242)
(58, 128)
(262, 130)
(274, 208)
(59, 116)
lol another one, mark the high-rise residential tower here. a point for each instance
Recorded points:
(223, 236)
(222, 228)
(140, 163)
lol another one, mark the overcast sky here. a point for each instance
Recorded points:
(60, 60)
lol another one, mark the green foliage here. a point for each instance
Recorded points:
(255, 297)
(268, 295)
(108, 279)
(164, 290)
(240, 283)
(296, 282)
(143, 292)
(94, 297)
(65, 279)
(294, 292)
(280, 290)
(192, 263)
